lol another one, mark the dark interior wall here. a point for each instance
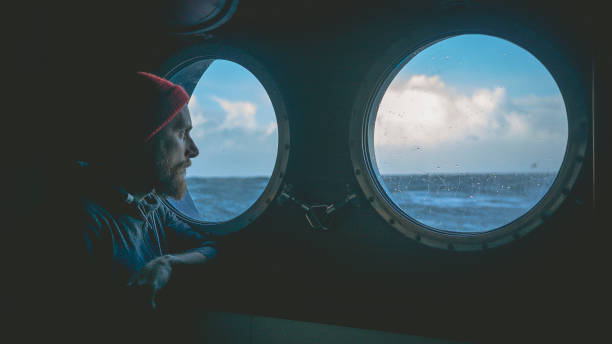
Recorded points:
(65, 74)
(362, 272)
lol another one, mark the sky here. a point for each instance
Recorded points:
(471, 104)
(234, 125)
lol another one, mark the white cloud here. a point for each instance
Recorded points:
(197, 118)
(424, 111)
(193, 104)
(232, 128)
(239, 115)
(517, 125)
(425, 125)
(271, 128)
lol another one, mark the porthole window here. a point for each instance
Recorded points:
(464, 143)
(238, 134)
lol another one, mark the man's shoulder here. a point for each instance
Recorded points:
(85, 213)
(94, 206)
(89, 206)
(87, 194)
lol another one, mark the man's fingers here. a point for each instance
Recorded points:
(153, 295)
(136, 280)
(139, 279)
(132, 280)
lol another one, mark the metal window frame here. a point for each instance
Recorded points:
(192, 57)
(378, 79)
(214, 20)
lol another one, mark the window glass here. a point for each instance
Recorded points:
(235, 129)
(470, 134)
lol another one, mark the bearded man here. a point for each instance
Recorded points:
(130, 244)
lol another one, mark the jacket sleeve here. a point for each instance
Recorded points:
(181, 237)
(97, 251)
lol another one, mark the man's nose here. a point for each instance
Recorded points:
(192, 149)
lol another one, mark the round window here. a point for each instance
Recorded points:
(237, 134)
(464, 140)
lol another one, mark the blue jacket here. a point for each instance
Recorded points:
(121, 234)
(82, 245)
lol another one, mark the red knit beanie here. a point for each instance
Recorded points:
(161, 99)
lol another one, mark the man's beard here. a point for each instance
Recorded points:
(170, 180)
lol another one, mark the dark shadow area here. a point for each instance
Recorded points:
(69, 73)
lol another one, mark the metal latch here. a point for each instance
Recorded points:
(318, 216)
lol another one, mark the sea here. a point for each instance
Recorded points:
(221, 199)
(472, 202)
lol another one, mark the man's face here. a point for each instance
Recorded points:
(173, 150)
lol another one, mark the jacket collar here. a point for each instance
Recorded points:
(148, 204)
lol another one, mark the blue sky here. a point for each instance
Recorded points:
(476, 61)
(471, 103)
(234, 124)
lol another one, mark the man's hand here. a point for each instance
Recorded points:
(156, 273)
(153, 276)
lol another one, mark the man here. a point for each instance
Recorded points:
(129, 243)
